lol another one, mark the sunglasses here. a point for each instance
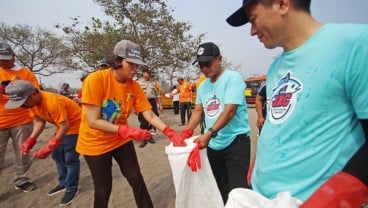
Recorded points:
(205, 64)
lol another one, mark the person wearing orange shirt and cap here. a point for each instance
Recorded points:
(64, 113)
(15, 123)
(109, 96)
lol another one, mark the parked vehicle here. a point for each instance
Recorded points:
(253, 84)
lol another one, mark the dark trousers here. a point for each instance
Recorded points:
(67, 163)
(202, 123)
(230, 165)
(176, 107)
(126, 158)
(143, 122)
(357, 165)
(185, 108)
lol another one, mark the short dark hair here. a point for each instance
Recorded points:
(303, 5)
(115, 61)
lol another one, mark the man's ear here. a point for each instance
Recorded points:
(283, 6)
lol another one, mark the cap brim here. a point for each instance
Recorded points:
(238, 18)
(202, 59)
(135, 61)
(6, 57)
(14, 104)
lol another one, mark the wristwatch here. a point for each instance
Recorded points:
(213, 132)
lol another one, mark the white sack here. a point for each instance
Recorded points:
(193, 189)
(246, 198)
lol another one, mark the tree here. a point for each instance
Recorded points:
(38, 49)
(166, 44)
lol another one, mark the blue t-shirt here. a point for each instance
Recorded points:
(228, 89)
(318, 92)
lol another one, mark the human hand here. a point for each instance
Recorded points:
(27, 145)
(194, 159)
(202, 140)
(186, 133)
(173, 136)
(260, 122)
(140, 135)
(48, 148)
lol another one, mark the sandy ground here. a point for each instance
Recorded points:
(153, 162)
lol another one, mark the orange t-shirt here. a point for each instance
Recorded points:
(15, 117)
(116, 101)
(57, 108)
(199, 81)
(185, 90)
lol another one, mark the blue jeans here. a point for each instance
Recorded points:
(67, 163)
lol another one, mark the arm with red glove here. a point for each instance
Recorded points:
(195, 119)
(27, 145)
(194, 159)
(38, 126)
(140, 135)
(187, 133)
(54, 141)
(173, 136)
(45, 151)
(166, 129)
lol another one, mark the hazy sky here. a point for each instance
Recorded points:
(206, 16)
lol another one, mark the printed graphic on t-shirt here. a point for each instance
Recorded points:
(284, 98)
(110, 110)
(213, 106)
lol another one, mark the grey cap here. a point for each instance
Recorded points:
(18, 92)
(129, 51)
(6, 52)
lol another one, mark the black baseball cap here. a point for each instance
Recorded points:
(206, 51)
(239, 17)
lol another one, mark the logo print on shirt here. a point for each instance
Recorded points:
(110, 110)
(213, 106)
(283, 98)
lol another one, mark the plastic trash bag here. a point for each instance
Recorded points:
(246, 198)
(193, 189)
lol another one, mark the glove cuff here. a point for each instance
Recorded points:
(189, 130)
(54, 142)
(32, 140)
(167, 130)
(122, 131)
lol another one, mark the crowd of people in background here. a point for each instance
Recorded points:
(312, 115)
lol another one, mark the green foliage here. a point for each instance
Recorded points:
(166, 44)
(38, 49)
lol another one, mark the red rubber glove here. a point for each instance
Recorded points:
(186, 133)
(173, 136)
(27, 145)
(194, 159)
(48, 148)
(2, 90)
(140, 135)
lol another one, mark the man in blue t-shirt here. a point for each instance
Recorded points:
(226, 135)
(315, 135)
